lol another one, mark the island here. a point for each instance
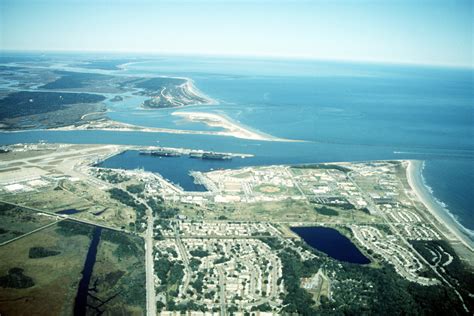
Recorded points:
(230, 127)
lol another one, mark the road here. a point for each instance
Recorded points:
(185, 258)
(149, 262)
(29, 233)
(70, 161)
(407, 244)
(64, 216)
(150, 271)
(222, 290)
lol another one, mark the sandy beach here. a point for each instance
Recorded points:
(230, 128)
(189, 85)
(415, 180)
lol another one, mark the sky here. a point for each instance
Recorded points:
(436, 32)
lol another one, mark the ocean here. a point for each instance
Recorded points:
(344, 111)
(350, 111)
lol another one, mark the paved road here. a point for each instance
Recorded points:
(150, 271)
(29, 233)
(149, 262)
(64, 216)
(407, 244)
(222, 290)
(226, 237)
(184, 255)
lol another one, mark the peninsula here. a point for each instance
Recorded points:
(45, 98)
(77, 101)
(187, 247)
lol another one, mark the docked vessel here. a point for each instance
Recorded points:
(216, 156)
(160, 153)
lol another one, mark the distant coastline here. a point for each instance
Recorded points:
(441, 214)
(229, 128)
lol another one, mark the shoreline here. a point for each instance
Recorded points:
(229, 130)
(440, 214)
(190, 88)
(230, 127)
(195, 90)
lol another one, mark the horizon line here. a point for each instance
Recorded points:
(244, 55)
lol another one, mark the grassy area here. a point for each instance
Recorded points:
(51, 199)
(287, 210)
(26, 109)
(359, 290)
(155, 85)
(96, 205)
(276, 190)
(46, 267)
(16, 221)
(457, 272)
(55, 277)
(126, 199)
(25, 103)
(324, 210)
(111, 176)
(323, 166)
(119, 274)
(72, 80)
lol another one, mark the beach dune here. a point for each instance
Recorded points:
(449, 226)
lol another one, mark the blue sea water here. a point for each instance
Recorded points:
(345, 112)
(373, 110)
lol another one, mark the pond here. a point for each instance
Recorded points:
(68, 212)
(332, 243)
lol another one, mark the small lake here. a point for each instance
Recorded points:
(68, 212)
(332, 243)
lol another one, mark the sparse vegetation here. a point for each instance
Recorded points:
(24, 103)
(352, 296)
(199, 253)
(140, 209)
(324, 210)
(171, 274)
(323, 166)
(15, 279)
(70, 228)
(136, 188)
(71, 80)
(41, 252)
(111, 176)
(126, 246)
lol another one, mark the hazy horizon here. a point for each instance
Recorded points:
(437, 33)
(102, 54)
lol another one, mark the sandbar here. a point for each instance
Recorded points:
(230, 128)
